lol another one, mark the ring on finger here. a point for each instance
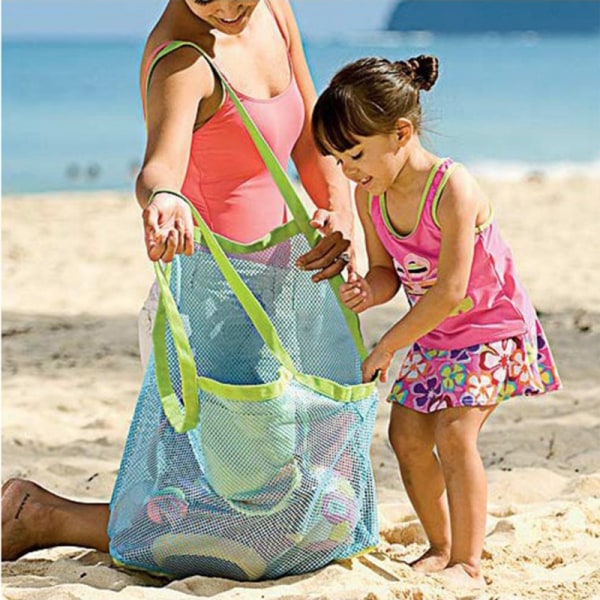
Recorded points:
(344, 257)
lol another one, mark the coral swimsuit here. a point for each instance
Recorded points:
(226, 179)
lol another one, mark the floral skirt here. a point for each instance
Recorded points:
(481, 375)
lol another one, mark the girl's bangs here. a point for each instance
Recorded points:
(332, 128)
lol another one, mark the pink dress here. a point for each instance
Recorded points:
(492, 347)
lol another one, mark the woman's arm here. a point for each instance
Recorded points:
(324, 182)
(179, 82)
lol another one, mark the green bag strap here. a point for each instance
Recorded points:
(246, 298)
(280, 177)
(187, 419)
(167, 312)
(167, 309)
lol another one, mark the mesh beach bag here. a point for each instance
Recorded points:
(248, 453)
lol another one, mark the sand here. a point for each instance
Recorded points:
(74, 277)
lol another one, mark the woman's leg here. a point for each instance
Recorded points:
(146, 318)
(457, 430)
(34, 518)
(412, 435)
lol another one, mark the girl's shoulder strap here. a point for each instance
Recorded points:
(437, 180)
(436, 185)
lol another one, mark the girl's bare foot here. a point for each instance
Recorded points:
(432, 561)
(26, 515)
(461, 576)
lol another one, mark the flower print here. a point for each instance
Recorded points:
(507, 391)
(531, 390)
(453, 375)
(467, 400)
(414, 366)
(541, 342)
(481, 387)
(431, 353)
(440, 403)
(496, 358)
(398, 395)
(531, 352)
(519, 367)
(548, 375)
(426, 392)
(464, 354)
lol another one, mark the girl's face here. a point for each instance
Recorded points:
(228, 16)
(375, 162)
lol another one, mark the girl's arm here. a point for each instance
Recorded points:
(381, 280)
(179, 82)
(457, 215)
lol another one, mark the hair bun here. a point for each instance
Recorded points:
(422, 70)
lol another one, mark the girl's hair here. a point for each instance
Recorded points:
(367, 97)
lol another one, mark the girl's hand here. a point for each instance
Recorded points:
(377, 362)
(168, 227)
(356, 293)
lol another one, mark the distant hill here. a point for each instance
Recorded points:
(504, 16)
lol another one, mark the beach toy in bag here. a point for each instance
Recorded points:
(248, 453)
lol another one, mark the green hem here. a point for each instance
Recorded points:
(247, 393)
(383, 205)
(276, 236)
(268, 391)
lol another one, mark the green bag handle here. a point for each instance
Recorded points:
(167, 311)
(187, 419)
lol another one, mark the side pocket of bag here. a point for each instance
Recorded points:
(249, 446)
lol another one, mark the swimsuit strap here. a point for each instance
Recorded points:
(279, 25)
(436, 184)
(147, 68)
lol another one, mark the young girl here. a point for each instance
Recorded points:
(473, 334)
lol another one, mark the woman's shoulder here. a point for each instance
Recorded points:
(184, 62)
(282, 10)
(284, 14)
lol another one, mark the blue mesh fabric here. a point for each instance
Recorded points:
(260, 488)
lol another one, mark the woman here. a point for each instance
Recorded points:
(197, 144)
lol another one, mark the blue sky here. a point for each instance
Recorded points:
(134, 18)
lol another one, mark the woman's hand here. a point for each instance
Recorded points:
(356, 293)
(332, 253)
(377, 363)
(168, 227)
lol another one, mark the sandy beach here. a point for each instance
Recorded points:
(74, 277)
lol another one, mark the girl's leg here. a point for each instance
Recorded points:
(412, 435)
(34, 518)
(456, 434)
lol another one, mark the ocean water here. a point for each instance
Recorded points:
(503, 105)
